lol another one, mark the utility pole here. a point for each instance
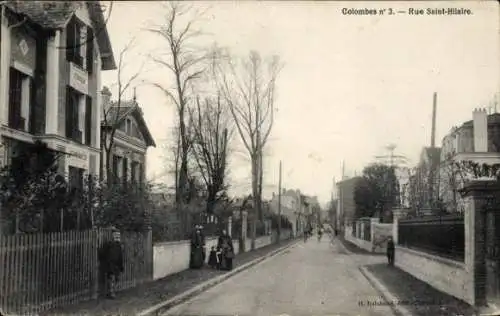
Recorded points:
(279, 205)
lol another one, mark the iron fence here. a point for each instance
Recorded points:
(439, 235)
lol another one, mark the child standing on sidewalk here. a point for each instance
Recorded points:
(212, 259)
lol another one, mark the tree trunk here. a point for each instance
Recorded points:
(261, 177)
(183, 172)
(211, 201)
(109, 169)
(255, 196)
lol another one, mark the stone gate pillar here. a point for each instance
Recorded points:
(230, 226)
(373, 221)
(396, 215)
(476, 194)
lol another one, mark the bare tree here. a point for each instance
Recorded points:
(249, 90)
(186, 65)
(211, 134)
(112, 113)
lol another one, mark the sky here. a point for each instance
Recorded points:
(351, 84)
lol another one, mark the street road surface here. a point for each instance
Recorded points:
(311, 279)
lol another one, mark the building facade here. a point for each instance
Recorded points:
(346, 206)
(131, 140)
(477, 140)
(51, 58)
(293, 207)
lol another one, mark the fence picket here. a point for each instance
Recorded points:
(2, 263)
(43, 271)
(22, 268)
(15, 285)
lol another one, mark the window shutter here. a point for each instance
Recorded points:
(15, 93)
(33, 107)
(71, 40)
(88, 120)
(90, 50)
(76, 111)
(69, 112)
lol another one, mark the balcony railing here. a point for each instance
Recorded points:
(17, 122)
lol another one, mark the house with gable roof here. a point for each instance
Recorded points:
(51, 57)
(131, 139)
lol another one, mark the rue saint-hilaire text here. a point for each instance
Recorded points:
(440, 11)
(410, 11)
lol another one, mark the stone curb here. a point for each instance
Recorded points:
(180, 298)
(386, 294)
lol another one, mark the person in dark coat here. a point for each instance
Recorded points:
(225, 247)
(111, 262)
(390, 251)
(197, 243)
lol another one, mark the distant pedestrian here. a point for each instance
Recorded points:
(390, 251)
(225, 247)
(320, 233)
(111, 262)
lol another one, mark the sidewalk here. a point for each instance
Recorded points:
(131, 301)
(413, 297)
(355, 249)
(417, 297)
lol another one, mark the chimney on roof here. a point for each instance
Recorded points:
(480, 130)
(433, 132)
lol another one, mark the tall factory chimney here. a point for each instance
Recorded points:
(433, 132)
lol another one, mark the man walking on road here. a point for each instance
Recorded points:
(390, 251)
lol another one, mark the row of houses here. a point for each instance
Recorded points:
(300, 209)
(433, 185)
(51, 59)
(437, 177)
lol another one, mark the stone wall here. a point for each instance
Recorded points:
(173, 257)
(448, 276)
(377, 241)
(363, 244)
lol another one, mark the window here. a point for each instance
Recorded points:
(76, 178)
(90, 50)
(141, 173)
(116, 168)
(88, 121)
(80, 44)
(74, 42)
(20, 86)
(124, 170)
(72, 115)
(135, 172)
(128, 127)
